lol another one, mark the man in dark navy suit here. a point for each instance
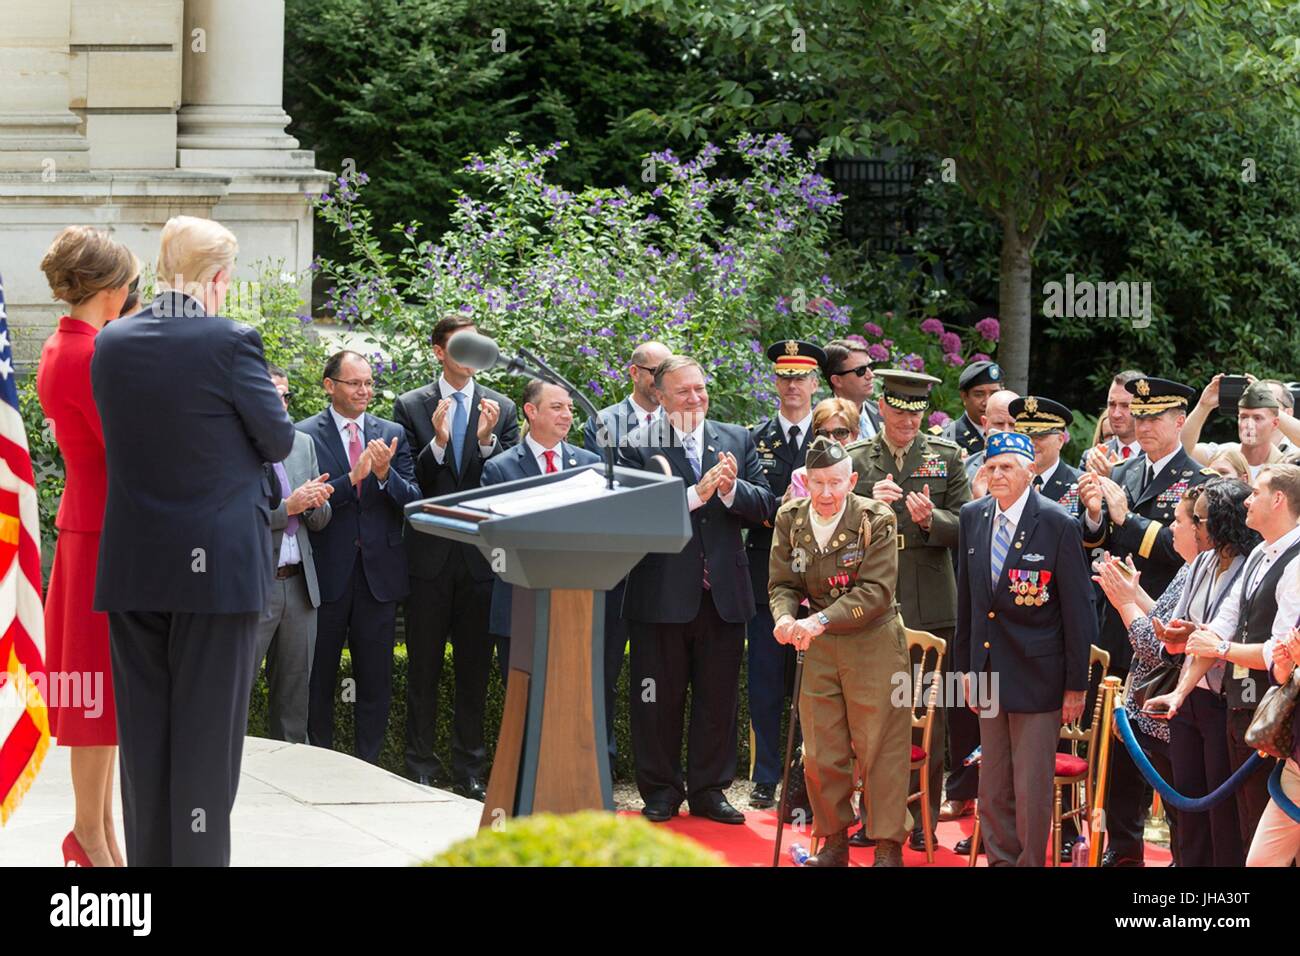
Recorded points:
(360, 557)
(686, 612)
(1025, 621)
(190, 418)
(454, 425)
(548, 409)
(610, 427)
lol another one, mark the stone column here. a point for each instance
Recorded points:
(38, 131)
(233, 86)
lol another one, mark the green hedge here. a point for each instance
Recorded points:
(393, 755)
(590, 838)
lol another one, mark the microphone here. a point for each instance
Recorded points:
(476, 351)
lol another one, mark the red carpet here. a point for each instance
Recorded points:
(751, 844)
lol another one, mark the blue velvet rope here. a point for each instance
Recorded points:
(1280, 798)
(1168, 793)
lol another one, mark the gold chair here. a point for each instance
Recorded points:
(924, 645)
(1071, 769)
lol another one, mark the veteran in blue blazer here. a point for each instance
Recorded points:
(548, 410)
(1025, 622)
(360, 556)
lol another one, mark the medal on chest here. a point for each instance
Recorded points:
(931, 467)
(1029, 587)
(838, 583)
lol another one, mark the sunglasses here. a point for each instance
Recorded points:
(860, 371)
(838, 434)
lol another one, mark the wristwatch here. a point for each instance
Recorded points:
(1222, 649)
(822, 619)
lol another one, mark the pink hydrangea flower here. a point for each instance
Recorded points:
(988, 328)
(950, 342)
(873, 330)
(933, 326)
(954, 359)
(939, 419)
(877, 352)
(856, 338)
(980, 357)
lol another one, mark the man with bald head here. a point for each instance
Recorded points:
(610, 427)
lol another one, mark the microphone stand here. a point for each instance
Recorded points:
(519, 365)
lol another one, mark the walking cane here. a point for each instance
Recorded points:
(789, 748)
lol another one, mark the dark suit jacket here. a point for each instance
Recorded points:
(511, 465)
(1063, 487)
(190, 417)
(667, 588)
(413, 410)
(617, 421)
(369, 527)
(778, 459)
(1038, 652)
(1147, 534)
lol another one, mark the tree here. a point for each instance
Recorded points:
(1019, 102)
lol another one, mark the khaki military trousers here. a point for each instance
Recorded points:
(846, 709)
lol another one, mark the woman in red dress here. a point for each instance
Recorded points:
(96, 277)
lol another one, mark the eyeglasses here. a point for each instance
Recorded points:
(368, 384)
(134, 286)
(1197, 519)
(644, 368)
(838, 434)
(860, 371)
(286, 396)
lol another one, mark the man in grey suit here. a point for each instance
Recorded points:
(286, 630)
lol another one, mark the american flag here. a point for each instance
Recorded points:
(24, 720)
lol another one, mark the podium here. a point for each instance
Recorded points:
(563, 540)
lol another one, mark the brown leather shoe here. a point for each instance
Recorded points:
(834, 852)
(888, 853)
(956, 809)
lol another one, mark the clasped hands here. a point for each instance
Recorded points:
(376, 458)
(800, 632)
(489, 411)
(919, 505)
(312, 493)
(1095, 488)
(721, 478)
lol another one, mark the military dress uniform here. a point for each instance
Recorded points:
(781, 450)
(1146, 536)
(852, 670)
(927, 589)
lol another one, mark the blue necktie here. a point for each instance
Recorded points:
(459, 424)
(1001, 542)
(692, 455)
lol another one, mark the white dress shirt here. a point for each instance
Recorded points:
(538, 451)
(692, 496)
(643, 416)
(447, 390)
(803, 425)
(1047, 475)
(1012, 515)
(342, 424)
(1287, 593)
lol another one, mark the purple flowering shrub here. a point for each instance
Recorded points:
(712, 266)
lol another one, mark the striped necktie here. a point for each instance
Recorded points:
(1001, 542)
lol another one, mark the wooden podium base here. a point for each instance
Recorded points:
(551, 754)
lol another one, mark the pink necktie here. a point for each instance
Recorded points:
(550, 462)
(354, 449)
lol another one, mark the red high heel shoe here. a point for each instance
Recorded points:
(73, 854)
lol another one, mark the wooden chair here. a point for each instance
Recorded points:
(925, 646)
(1072, 770)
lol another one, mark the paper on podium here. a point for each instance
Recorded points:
(583, 486)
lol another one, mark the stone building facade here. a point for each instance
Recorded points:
(123, 113)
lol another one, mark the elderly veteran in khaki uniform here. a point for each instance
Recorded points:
(838, 551)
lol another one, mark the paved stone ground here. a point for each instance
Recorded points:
(297, 806)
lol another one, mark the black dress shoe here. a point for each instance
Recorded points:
(658, 811)
(917, 840)
(860, 838)
(1112, 858)
(471, 787)
(963, 847)
(763, 796)
(719, 811)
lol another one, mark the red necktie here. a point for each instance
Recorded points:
(1126, 451)
(354, 449)
(550, 462)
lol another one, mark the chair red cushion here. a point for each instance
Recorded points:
(917, 753)
(1068, 765)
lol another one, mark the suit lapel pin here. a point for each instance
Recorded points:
(573, 461)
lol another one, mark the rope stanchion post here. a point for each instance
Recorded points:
(1110, 688)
